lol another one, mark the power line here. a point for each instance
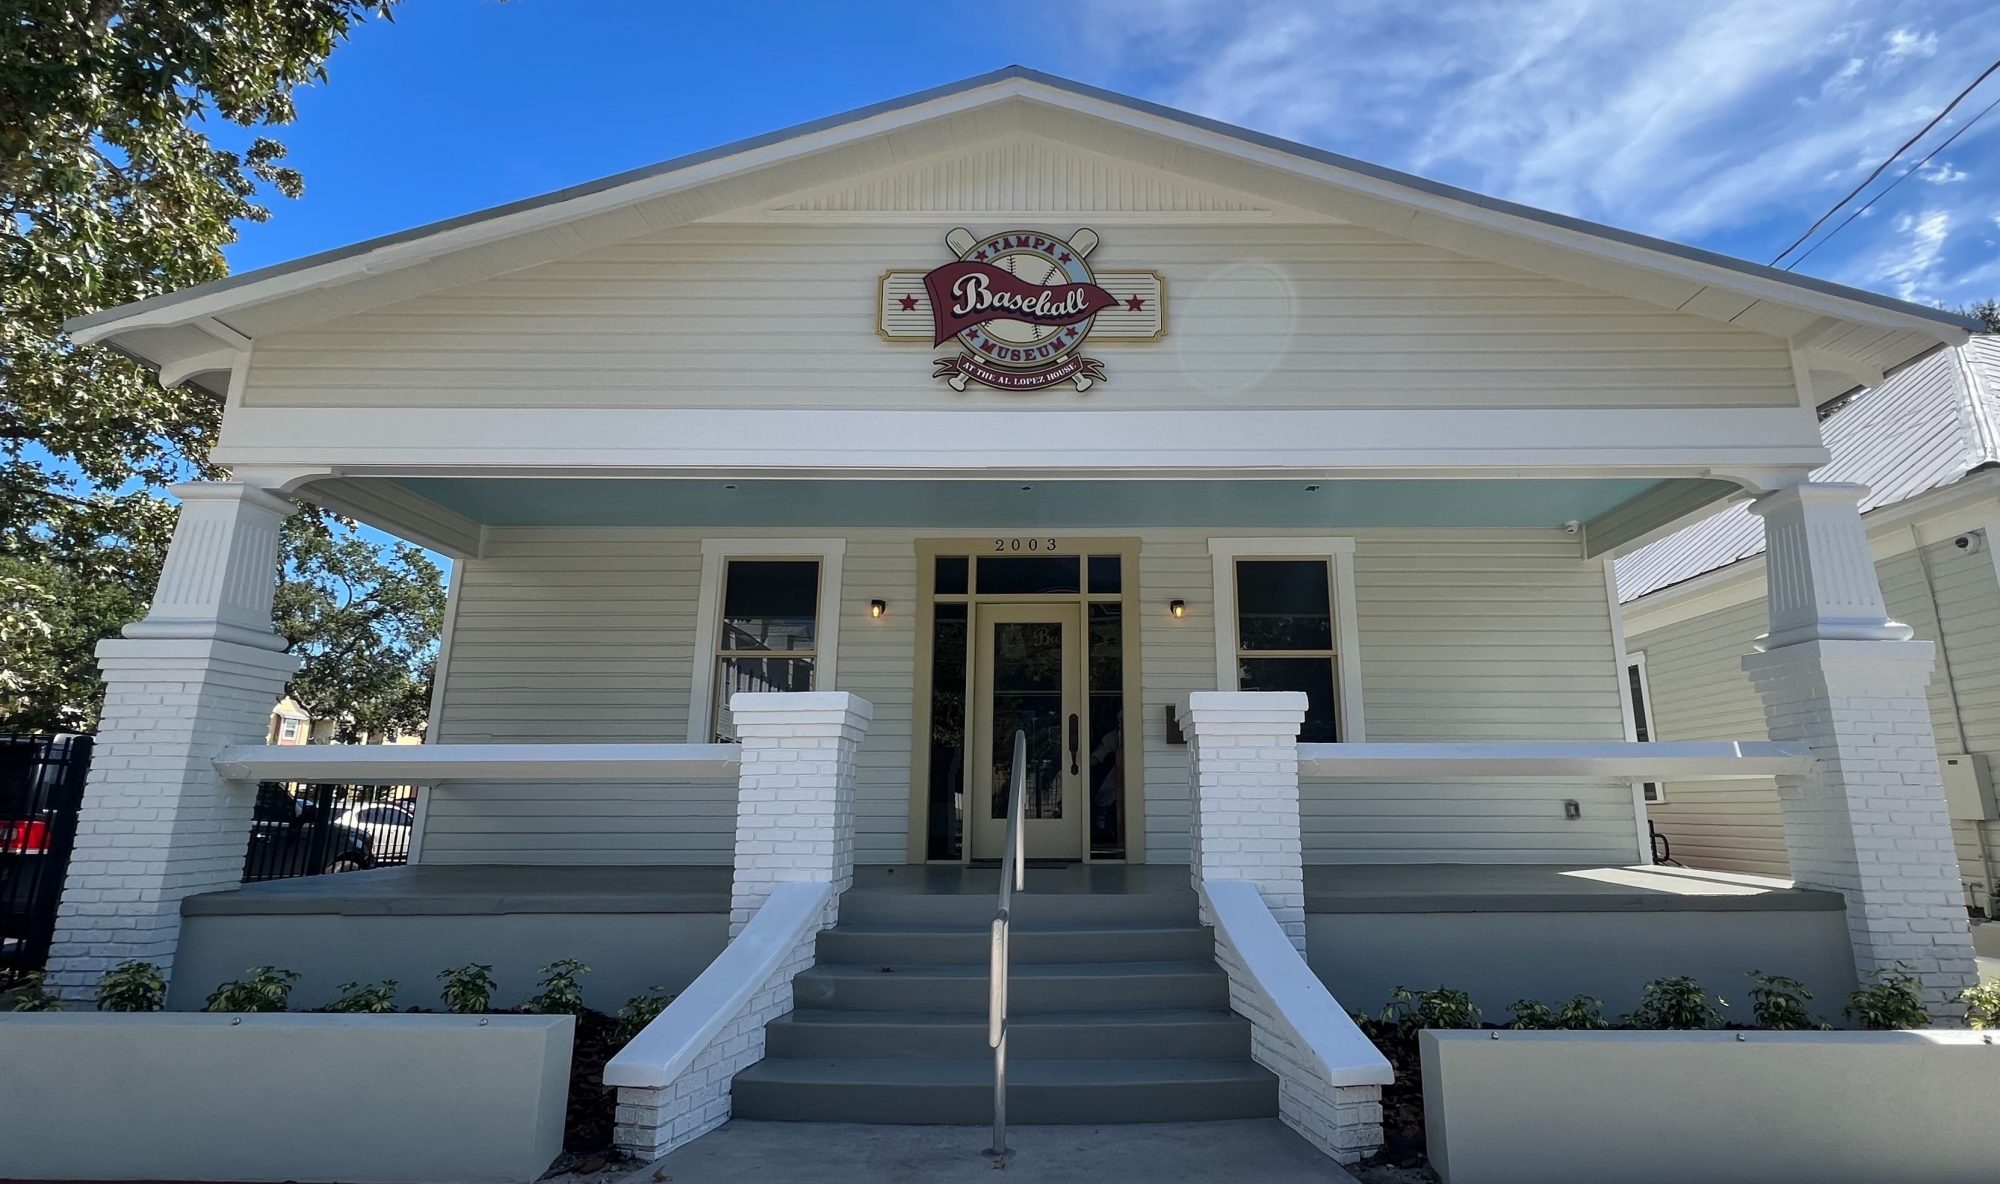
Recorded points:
(1891, 187)
(1889, 160)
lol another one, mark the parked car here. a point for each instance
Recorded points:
(288, 838)
(41, 782)
(387, 825)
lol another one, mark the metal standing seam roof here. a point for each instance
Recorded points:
(1928, 425)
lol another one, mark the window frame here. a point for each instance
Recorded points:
(1338, 554)
(828, 608)
(1651, 793)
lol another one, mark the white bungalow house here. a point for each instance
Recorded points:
(1269, 494)
(1926, 441)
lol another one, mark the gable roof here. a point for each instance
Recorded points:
(196, 330)
(1925, 427)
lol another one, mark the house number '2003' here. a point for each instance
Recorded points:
(1023, 545)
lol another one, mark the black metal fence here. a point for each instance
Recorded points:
(41, 789)
(318, 829)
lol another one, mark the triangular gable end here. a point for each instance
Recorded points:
(1026, 174)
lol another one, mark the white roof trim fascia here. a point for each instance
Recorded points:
(1947, 510)
(414, 246)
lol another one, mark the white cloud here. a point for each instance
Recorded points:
(1702, 120)
(1907, 43)
(1911, 265)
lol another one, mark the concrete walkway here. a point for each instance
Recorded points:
(1260, 1149)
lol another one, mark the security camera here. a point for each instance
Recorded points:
(1972, 542)
(1573, 526)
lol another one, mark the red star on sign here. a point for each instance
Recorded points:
(908, 302)
(1063, 258)
(1134, 303)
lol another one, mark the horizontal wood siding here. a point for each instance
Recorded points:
(1701, 693)
(1271, 315)
(588, 635)
(1474, 638)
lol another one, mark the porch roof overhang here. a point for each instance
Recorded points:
(455, 513)
(1843, 336)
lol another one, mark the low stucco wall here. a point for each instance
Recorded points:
(628, 953)
(1718, 1107)
(1499, 957)
(388, 1098)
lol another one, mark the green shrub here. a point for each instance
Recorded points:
(1889, 1002)
(1982, 1005)
(559, 994)
(1676, 1004)
(132, 986)
(1582, 1014)
(266, 989)
(33, 995)
(468, 989)
(1532, 1015)
(369, 999)
(1779, 1003)
(639, 1011)
(1413, 1011)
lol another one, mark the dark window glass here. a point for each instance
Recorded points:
(735, 674)
(1107, 730)
(951, 575)
(770, 604)
(1282, 604)
(1640, 726)
(947, 786)
(1029, 576)
(1028, 696)
(1105, 574)
(1314, 676)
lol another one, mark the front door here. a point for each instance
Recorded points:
(1028, 676)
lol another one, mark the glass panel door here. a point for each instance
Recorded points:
(1030, 679)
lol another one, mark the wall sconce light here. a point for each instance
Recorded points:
(1177, 609)
(878, 608)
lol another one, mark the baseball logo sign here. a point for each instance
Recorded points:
(1020, 305)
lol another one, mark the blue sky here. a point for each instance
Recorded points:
(1727, 125)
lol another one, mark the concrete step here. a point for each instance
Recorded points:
(1041, 987)
(961, 1091)
(827, 1034)
(1030, 907)
(884, 944)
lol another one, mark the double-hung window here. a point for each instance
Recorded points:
(768, 623)
(1285, 623)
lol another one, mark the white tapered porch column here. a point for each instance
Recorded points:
(198, 674)
(1838, 675)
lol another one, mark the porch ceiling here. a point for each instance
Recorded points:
(1532, 504)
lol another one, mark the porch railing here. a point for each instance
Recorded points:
(336, 808)
(1660, 760)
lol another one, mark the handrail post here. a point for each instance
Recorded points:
(1013, 878)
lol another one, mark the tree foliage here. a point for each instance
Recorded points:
(112, 190)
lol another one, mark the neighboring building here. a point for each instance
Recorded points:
(1267, 495)
(290, 724)
(1926, 442)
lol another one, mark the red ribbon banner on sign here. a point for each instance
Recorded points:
(969, 293)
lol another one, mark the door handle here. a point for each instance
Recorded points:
(1072, 743)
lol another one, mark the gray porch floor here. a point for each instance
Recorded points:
(472, 889)
(1263, 1149)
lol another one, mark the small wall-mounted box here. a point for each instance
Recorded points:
(1968, 792)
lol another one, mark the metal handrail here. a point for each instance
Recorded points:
(1013, 875)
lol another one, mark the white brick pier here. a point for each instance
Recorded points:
(1243, 772)
(1836, 674)
(197, 675)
